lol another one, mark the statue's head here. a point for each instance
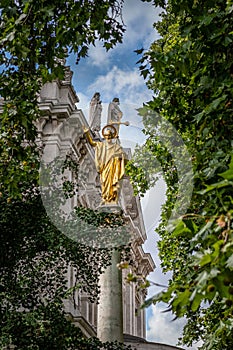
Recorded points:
(116, 100)
(96, 95)
(109, 132)
(108, 135)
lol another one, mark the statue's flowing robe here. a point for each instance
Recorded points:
(95, 114)
(114, 115)
(110, 163)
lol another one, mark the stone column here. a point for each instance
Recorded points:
(110, 308)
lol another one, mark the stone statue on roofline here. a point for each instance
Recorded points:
(95, 112)
(114, 114)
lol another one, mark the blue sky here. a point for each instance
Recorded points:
(90, 72)
(116, 74)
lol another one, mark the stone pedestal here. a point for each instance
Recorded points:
(110, 208)
(110, 308)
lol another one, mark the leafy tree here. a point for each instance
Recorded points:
(190, 70)
(34, 259)
(34, 255)
(34, 38)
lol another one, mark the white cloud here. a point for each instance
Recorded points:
(128, 85)
(157, 276)
(83, 101)
(98, 56)
(162, 329)
(152, 202)
(115, 80)
(130, 88)
(139, 20)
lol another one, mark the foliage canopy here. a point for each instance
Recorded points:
(190, 70)
(35, 38)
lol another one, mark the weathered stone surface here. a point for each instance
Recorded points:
(60, 129)
(110, 308)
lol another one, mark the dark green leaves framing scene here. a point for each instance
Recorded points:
(190, 70)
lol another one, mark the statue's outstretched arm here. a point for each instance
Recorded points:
(89, 138)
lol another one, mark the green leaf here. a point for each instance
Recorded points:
(21, 18)
(196, 301)
(228, 174)
(206, 227)
(139, 51)
(229, 262)
(220, 184)
(206, 259)
(202, 278)
(214, 104)
(181, 301)
(153, 300)
(181, 229)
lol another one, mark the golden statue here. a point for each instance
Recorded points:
(110, 162)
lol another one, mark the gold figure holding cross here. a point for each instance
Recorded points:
(110, 162)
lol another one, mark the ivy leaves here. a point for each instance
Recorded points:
(34, 258)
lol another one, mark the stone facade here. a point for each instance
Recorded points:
(60, 131)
